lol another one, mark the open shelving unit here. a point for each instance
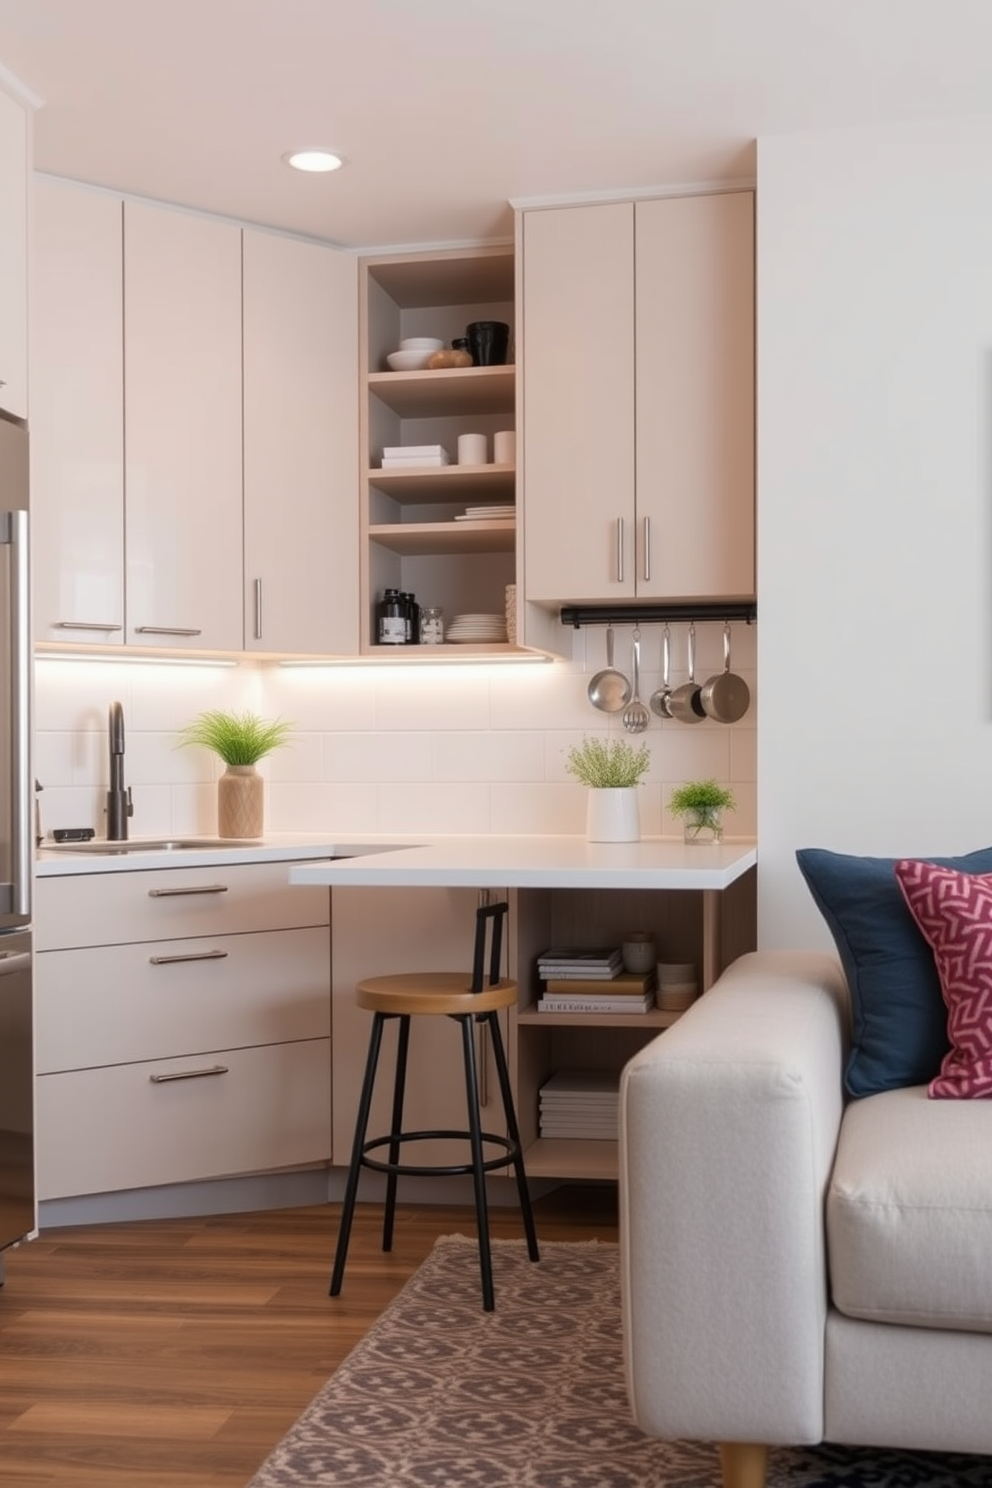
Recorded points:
(411, 539)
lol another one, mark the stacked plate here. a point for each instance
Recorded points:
(486, 513)
(482, 629)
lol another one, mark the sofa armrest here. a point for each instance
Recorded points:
(728, 1126)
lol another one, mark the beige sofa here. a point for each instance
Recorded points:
(796, 1267)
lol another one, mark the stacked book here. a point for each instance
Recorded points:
(395, 456)
(592, 981)
(581, 1103)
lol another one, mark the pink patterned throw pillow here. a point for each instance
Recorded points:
(954, 913)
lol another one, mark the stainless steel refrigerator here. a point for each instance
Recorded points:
(17, 1198)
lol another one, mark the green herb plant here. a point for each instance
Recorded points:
(607, 765)
(239, 738)
(703, 800)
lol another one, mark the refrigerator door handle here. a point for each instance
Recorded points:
(15, 532)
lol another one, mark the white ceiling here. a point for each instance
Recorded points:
(449, 109)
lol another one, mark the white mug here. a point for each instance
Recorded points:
(473, 449)
(505, 446)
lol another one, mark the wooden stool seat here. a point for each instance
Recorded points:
(432, 994)
(467, 999)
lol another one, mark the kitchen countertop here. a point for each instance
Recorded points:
(475, 862)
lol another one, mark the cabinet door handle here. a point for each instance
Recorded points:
(258, 609)
(619, 550)
(189, 956)
(193, 1074)
(85, 625)
(647, 547)
(179, 630)
(191, 889)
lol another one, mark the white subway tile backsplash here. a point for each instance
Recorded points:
(394, 749)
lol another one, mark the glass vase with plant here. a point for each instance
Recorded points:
(701, 804)
(240, 740)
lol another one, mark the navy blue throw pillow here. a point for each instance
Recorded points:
(899, 1021)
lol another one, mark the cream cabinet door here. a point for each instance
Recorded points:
(694, 297)
(300, 446)
(13, 257)
(182, 392)
(77, 414)
(577, 371)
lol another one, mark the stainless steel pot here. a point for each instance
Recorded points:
(725, 696)
(684, 701)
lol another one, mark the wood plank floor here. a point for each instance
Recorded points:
(176, 1354)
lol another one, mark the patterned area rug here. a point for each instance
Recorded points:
(440, 1394)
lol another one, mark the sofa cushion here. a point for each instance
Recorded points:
(954, 913)
(899, 1022)
(909, 1212)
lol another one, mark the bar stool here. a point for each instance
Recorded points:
(466, 1000)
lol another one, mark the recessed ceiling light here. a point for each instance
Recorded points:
(314, 160)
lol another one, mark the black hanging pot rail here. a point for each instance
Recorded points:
(648, 614)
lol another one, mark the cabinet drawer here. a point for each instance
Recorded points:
(111, 1004)
(119, 1128)
(114, 908)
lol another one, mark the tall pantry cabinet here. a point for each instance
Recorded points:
(638, 400)
(14, 152)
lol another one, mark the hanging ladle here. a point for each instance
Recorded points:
(659, 699)
(609, 690)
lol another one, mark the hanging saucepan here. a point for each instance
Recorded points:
(609, 690)
(684, 701)
(660, 700)
(725, 696)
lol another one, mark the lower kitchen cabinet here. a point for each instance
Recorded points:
(183, 1027)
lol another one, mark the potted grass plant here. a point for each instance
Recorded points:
(240, 740)
(612, 769)
(701, 804)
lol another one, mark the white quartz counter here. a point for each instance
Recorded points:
(474, 862)
(538, 862)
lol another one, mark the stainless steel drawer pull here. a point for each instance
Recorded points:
(190, 956)
(194, 1074)
(86, 625)
(258, 609)
(180, 630)
(619, 550)
(647, 548)
(192, 889)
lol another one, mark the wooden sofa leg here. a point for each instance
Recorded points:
(745, 1464)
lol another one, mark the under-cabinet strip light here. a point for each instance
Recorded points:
(179, 661)
(528, 658)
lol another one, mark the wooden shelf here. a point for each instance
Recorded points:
(417, 539)
(448, 390)
(417, 484)
(553, 1157)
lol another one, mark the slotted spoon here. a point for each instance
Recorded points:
(635, 716)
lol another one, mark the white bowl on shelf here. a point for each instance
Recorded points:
(408, 361)
(421, 343)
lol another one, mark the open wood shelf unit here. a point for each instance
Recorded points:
(410, 538)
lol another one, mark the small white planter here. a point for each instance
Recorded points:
(613, 815)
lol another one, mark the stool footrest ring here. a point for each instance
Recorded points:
(510, 1151)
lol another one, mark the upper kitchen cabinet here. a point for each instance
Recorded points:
(182, 452)
(426, 529)
(13, 257)
(300, 447)
(77, 414)
(638, 401)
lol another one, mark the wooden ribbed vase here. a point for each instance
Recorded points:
(240, 802)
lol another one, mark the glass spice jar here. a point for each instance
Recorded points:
(431, 625)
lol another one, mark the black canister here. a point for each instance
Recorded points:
(391, 619)
(489, 342)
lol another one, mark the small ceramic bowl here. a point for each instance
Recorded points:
(421, 343)
(408, 361)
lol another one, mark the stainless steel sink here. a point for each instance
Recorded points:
(102, 847)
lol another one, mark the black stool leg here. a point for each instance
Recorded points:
(513, 1132)
(354, 1167)
(399, 1089)
(478, 1172)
